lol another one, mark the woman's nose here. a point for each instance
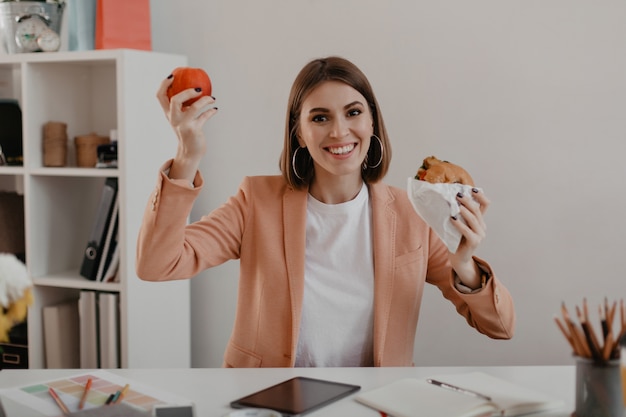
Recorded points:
(339, 128)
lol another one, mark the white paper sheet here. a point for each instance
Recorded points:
(436, 203)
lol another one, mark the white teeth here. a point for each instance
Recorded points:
(341, 150)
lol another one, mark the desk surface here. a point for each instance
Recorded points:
(212, 389)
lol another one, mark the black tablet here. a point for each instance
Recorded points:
(296, 396)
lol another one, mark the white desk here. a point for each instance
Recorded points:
(213, 389)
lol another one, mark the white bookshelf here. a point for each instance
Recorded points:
(96, 91)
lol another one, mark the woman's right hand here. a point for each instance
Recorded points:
(188, 123)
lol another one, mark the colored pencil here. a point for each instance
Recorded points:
(582, 337)
(121, 395)
(59, 401)
(84, 396)
(566, 334)
(577, 334)
(590, 336)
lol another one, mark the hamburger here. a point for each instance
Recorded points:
(434, 170)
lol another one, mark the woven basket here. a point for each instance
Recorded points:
(87, 149)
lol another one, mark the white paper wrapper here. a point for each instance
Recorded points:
(436, 203)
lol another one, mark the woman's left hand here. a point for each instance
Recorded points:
(473, 207)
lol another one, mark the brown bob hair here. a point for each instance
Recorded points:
(314, 73)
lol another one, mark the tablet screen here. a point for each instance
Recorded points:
(297, 396)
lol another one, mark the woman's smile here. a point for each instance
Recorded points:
(341, 150)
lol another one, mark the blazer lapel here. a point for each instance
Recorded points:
(384, 226)
(294, 224)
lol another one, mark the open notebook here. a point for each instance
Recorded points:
(412, 397)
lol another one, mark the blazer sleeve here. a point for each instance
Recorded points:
(170, 248)
(491, 310)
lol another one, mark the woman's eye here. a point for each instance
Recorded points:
(354, 112)
(319, 118)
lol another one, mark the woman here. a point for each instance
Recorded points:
(332, 260)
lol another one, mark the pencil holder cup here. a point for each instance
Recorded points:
(623, 368)
(598, 388)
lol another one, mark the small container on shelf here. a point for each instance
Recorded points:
(87, 149)
(55, 144)
(107, 153)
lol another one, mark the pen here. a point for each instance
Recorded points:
(59, 401)
(84, 397)
(458, 389)
(108, 401)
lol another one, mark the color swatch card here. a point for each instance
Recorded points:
(38, 399)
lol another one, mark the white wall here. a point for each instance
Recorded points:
(528, 95)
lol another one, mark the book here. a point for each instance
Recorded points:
(111, 274)
(97, 238)
(110, 239)
(88, 319)
(61, 335)
(412, 397)
(111, 261)
(109, 330)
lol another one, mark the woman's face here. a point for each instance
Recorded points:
(336, 126)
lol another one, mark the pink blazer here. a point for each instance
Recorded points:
(263, 226)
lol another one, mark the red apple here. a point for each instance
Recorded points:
(187, 77)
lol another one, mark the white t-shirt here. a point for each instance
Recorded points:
(338, 307)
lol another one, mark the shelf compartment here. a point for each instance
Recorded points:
(81, 95)
(59, 234)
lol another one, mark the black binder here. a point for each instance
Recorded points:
(11, 132)
(95, 245)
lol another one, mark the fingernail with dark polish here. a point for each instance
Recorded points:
(170, 76)
(198, 89)
(459, 195)
(453, 217)
(475, 190)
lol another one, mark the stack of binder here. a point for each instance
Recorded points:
(83, 333)
(99, 329)
(61, 335)
(101, 256)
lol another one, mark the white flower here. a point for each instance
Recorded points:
(14, 279)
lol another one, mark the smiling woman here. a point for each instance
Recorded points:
(333, 262)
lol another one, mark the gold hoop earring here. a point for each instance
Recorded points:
(293, 164)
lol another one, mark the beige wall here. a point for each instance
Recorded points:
(528, 95)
